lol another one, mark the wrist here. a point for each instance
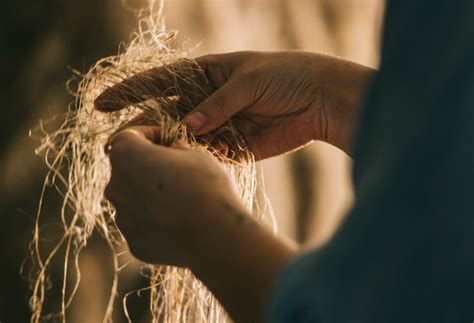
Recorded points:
(238, 260)
(344, 85)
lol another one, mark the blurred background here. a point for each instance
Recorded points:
(42, 40)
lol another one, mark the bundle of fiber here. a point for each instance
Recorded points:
(165, 86)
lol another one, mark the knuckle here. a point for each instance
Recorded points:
(215, 68)
(208, 59)
(216, 75)
(213, 64)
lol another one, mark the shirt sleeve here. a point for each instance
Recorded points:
(405, 253)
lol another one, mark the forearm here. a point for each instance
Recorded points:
(239, 261)
(345, 84)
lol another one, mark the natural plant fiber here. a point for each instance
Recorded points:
(80, 170)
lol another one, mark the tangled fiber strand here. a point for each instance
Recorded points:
(80, 170)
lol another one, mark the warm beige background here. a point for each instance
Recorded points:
(309, 190)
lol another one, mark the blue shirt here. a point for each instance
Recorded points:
(405, 253)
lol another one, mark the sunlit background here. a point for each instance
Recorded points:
(309, 190)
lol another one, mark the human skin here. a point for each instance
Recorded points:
(176, 206)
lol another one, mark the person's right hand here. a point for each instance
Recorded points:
(279, 101)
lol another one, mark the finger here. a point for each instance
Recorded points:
(184, 78)
(218, 67)
(128, 149)
(140, 137)
(132, 141)
(151, 133)
(231, 98)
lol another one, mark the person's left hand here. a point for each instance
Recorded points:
(165, 197)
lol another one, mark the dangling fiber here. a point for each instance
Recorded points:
(79, 168)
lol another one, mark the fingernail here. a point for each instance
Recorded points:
(195, 121)
(104, 104)
(99, 103)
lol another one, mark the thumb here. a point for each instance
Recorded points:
(132, 139)
(220, 106)
(127, 141)
(134, 133)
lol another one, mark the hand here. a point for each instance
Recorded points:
(176, 206)
(279, 101)
(164, 195)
